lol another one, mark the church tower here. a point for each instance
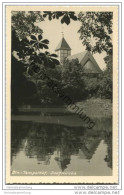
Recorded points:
(63, 50)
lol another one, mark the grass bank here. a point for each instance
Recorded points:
(95, 108)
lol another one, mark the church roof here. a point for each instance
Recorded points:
(83, 58)
(79, 56)
(63, 45)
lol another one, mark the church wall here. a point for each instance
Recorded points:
(89, 67)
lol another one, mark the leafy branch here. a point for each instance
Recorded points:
(65, 16)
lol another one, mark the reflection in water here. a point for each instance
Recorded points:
(51, 147)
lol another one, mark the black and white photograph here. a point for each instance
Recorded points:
(61, 95)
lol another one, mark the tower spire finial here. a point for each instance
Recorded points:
(62, 34)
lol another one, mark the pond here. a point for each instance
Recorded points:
(52, 147)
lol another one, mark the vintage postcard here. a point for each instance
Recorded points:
(61, 94)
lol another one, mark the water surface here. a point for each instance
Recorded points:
(39, 148)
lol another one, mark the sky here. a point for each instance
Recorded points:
(52, 30)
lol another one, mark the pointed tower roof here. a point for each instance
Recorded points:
(63, 45)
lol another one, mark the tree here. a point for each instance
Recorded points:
(96, 35)
(21, 88)
(96, 26)
(27, 45)
(24, 23)
(105, 84)
(72, 80)
(46, 85)
(91, 86)
(65, 16)
(27, 57)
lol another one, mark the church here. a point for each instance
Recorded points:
(89, 64)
